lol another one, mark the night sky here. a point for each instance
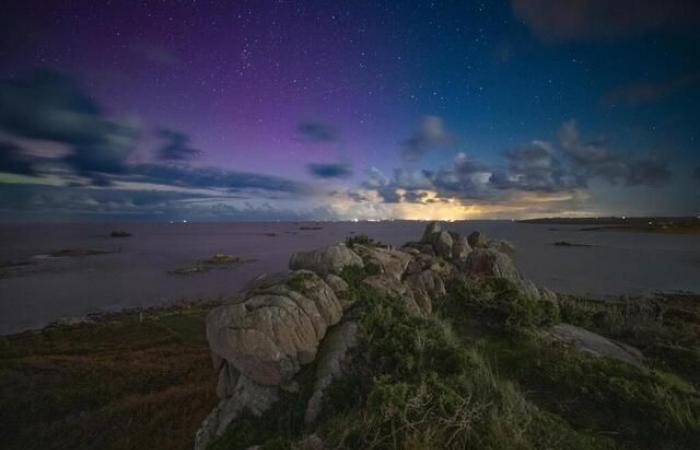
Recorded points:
(293, 110)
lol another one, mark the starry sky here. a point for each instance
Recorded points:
(321, 110)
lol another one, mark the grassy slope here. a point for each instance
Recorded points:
(119, 383)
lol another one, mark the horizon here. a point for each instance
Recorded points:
(312, 111)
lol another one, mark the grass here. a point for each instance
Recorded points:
(127, 381)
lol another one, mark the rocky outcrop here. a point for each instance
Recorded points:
(477, 240)
(332, 259)
(390, 262)
(331, 356)
(244, 396)
(274, 329)
(596, 344)
(262, 338)
(391, 287)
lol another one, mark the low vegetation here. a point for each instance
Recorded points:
(126, 381)
(482, 372)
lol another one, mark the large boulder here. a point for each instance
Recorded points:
(442, 243)
(391, 287)
(332, 354)
(245, 396)
(477, 240)
(332, 259)
(596, 344)
(426, 286)
(430, 230)
(390, 262)
(460, 247)
(490, 263)
(502, 246)
(275, 329)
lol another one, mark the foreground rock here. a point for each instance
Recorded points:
(261, 340)
(596, 344)
(332, 259)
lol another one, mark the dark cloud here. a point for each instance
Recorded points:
(411, 182)
(534, 167)
(430, 135)
(40, 202)
(642, 92)
(696, 173)
(13, 161)
(596, 160)
(318, 132)
(210, 177)
(49, 106)
(176, 147)
(463, 179)
(335, 170)
(604, 19)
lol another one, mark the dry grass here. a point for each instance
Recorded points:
(131, 381)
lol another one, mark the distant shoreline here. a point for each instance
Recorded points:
(666, 225)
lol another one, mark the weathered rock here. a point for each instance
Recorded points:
(596, 344)
(390, 262)
(336, 283)
(419, 263)
(430, 230)
(332, 259)
(502, 246)
(460, 247)
(477, 240)
(442, 242)
(413, 251)
(246, 396)
(332, 353)
(275, 329)
(490, 263)
(426, 286)
(391, 287)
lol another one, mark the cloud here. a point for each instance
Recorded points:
(696, 173)
(334, 170)
(604, 19)
(431, 134)
(596, 160)
(466, 178)
(60, 203)
(318, 132)
(211, 177)
(49, 106)
(176, 147)
(534, 167)
(13, 161)
(642, 92)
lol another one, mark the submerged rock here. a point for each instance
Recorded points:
(332, 259)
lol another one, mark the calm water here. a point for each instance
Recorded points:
(136, 272)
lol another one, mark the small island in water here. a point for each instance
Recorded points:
(441, 343)
(679, 225)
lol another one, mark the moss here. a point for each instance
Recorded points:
(299, 281)
(362, 239)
